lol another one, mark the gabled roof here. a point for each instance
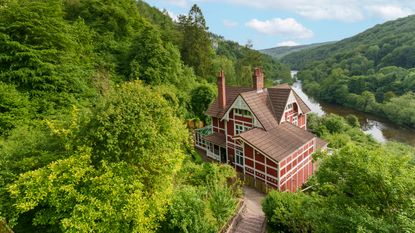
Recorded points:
(231, 94)
(278, 142)
(261, 107)
(268, 106)
(303, 106)
(279, 98)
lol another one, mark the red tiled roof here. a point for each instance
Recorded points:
(278, 142)
(279, 98)
(261, 107)
(217, 139)
(303, 106)
(231, 94)
(268, 106)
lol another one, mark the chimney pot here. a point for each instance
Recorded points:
(221, 90)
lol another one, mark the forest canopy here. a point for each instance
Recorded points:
(373, 71)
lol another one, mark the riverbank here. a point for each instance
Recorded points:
(381, 129)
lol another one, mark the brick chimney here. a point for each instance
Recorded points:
(258, 80)
(221, 90)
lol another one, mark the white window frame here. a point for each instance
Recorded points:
(242, 112)
(239, 157)
(295, 120)
(240, 128)
(289, 106)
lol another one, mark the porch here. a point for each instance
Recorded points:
(213, 143)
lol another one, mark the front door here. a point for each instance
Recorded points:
(223, 155)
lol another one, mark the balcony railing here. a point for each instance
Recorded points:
(200, 133)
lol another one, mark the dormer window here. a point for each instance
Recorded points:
(242, 112)
(289, 106)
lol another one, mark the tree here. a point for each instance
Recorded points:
(355, 189)
(201, 98)
(72, 195)
(196, 47)
(42, 54)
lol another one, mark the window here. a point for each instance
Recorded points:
(242, 112)
(240, 128)
(289, 106)
(295, 120)
(216, 149)
(239, 157)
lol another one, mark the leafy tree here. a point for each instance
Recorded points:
(196, 48)
(71, 195)
(43, 54)
(201, 98)
(355, 189)
(14, 107)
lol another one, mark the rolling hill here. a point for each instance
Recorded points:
(373, 71)
(381, 44)
(281, 51)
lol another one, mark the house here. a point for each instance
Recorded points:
(262, 132)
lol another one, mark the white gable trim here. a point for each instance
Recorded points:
(291, 99)
(241, 104)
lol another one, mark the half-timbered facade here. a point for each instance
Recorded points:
(262, 132)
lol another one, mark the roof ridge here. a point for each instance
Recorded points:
(272, 108)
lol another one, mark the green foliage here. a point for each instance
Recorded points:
(365, 72)
(187, 212)
(204, 199)
(136, 125)
(357, 189)
(43, 54)
(75, 196)
(196, 46)
(201, 97)
(286, 212)
(14, 107)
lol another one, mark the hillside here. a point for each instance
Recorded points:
(372, 71)
(93, 99)
(281, 51)
(381, 44)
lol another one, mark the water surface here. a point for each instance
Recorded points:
(381, 129)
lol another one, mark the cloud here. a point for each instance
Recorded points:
(287, 43)
(181, 3)
(230, 23)
(171, 14)
(288, 27)
(390, 12)
(341, 10)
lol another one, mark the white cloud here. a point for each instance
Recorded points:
(230, 23)
(171, 14)
(287, 43)
(342, 10)
(390, 12)
(288, 27)
(181, 3)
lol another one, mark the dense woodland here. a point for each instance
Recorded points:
(362, 186)
(372, 71)
(94, 95)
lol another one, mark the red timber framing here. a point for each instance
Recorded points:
(287, 175)
(235, 123)
(262, 133)
(218, 125)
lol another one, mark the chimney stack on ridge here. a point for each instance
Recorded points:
(221, 90)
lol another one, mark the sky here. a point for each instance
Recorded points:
(271, 23)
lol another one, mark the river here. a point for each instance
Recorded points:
(381, 129)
